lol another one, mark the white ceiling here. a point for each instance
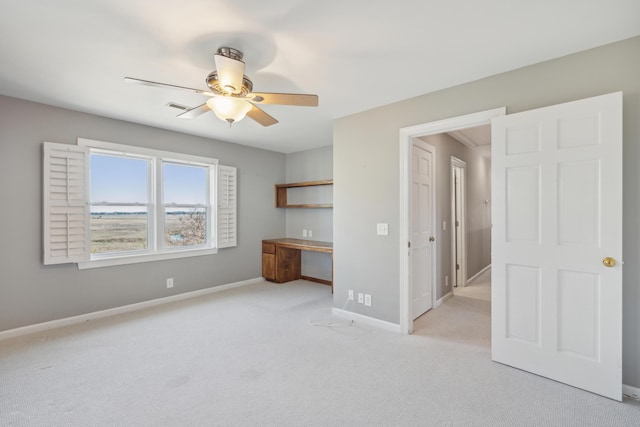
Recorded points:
(355, 54)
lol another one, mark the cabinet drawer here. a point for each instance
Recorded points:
(268, 248)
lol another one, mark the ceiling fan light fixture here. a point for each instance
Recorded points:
(229, 109)
(231, 93)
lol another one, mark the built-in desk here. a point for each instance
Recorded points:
(282, 259)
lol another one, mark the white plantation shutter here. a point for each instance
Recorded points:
(227, 207)
(66, 203)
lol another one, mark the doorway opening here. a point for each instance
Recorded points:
(407, 136)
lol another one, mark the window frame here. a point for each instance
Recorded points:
(156, 250)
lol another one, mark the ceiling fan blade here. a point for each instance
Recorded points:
(194, 112)
(260, 116)
(297, 99)
(230, 73)
(165, 85)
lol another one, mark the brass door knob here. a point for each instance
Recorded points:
(609, 262)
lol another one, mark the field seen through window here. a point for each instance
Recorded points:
(127, 231)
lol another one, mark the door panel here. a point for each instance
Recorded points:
(523, 203)
(573, 337)
(557, 212)
(523, 303)
(578, 202)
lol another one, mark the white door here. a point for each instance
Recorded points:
(458, 219)
(422, 236)
(557, 222)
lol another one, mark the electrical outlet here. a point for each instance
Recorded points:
(367, 300)
(304, 233)
(350, 294)
(360, 298)
(310, 233)
(170, 282)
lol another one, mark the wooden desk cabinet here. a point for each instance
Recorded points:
(282, 259)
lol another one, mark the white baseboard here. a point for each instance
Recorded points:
(39, 327)
(475, 276)
(443, 299)
(631, 392)
(366, 320)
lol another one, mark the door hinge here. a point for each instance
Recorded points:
(408, 244)
(457, 266)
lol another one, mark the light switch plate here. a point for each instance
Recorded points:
(383, 229)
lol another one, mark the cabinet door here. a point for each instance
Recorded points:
(269, 266)
(288, 263)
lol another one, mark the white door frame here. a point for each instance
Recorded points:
(406, 136)
(462, 271)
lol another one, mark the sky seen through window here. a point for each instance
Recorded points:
(116, 179)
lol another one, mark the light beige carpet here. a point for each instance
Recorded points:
(479, 288)
(250, 357)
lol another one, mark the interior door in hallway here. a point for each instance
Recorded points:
(458, 222)
(557, 243)
(422, 228)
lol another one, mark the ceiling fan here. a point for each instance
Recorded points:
(230, 93)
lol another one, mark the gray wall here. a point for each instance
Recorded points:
(32, 293)
(366, 170)
(311, 165)
(478, 235)
(478, 212)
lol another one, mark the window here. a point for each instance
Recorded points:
(108, 204)
(185, 204)
(120, 202)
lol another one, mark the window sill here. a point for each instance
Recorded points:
(135, 259)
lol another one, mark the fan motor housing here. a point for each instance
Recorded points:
(214, 85)
(230, 52)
